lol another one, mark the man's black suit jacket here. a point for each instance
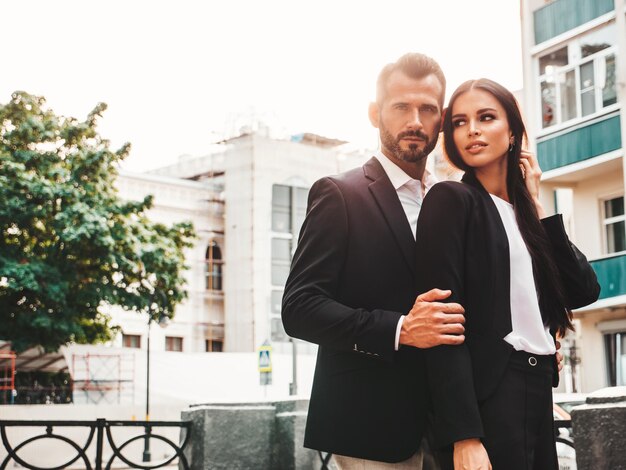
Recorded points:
(463, 246)
(352, 277)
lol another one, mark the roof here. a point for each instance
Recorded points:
(33, 359)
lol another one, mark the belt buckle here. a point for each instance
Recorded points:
(532, 360)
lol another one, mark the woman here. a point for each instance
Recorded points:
(517, 275)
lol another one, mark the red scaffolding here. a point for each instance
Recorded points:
(7, 372)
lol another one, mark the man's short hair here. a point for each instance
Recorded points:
(413, 65)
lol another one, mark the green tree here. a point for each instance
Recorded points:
(69, 246)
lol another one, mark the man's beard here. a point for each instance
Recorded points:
(413, 153)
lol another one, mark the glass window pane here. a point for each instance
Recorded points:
(610, 350)
(278, 332)
(300, 203)
(281, 208)
(276, 301)
(281, 221)
(281, 259)
(613, 207)
(615, 237)
(280, 195)
(548, 103)
(280, 272)
(588, 102)
(598, 40)
(586, 75)
(281, 249)
(553, 60)
(567, 82)
(609, 93)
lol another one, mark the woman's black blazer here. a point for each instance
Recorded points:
(462, 246)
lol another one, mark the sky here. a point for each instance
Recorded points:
(178, 76)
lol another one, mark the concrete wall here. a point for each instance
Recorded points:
(266, 435)
(186, 378)
(588, 210)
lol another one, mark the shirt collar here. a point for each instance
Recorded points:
(398, 177)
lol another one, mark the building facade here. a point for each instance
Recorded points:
(247, 200)
(574, 57)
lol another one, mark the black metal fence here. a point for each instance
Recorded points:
(99, 435)
(559, 426)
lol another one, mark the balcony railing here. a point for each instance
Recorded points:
(611, 272)
(580, 144)
(562, 15)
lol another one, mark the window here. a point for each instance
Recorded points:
(281, 208)
(214, 264)
(614, 225)
(131, 341)
(277, 300)
(213, 345)
(578, 80)
(281, 260)
(173, 343)
(288, 211)
(615, 350)
(278, 333)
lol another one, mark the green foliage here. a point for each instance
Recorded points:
(69, 246)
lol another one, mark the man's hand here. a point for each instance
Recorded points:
(431, 323)
(559, 356)
(470, 454)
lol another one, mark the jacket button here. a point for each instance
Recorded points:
(532, 360)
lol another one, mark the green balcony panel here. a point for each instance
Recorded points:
(580, 144)
(562, 15)
(611, 274)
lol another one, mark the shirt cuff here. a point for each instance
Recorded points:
(398, 329)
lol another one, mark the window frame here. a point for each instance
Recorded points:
(297, 213)
(575, 62)
(213, 268)
(170, 342)
(130, 337)
(605, 221)
(615, 376)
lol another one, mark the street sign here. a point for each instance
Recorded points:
(265, 363)
(265, 358)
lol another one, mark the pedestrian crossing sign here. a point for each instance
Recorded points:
(265, 358)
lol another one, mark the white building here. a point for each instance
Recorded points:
(247, 200)
(574, 54)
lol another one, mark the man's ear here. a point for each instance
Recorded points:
(374, 114)
(443, 116)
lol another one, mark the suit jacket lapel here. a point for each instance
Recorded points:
(500, 261)
(389, 204)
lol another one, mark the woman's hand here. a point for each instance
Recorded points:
(470, 454)
(532, 177)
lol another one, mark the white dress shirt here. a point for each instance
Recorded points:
(411, 193)
(529, 333)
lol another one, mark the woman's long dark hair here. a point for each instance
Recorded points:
(547, 277)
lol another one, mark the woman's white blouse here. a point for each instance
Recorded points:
(529, 333)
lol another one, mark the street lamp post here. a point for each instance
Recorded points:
(146, 443)
(293, 386)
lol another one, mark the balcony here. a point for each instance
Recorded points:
(562, 15)
(583, 143)
(611, 272)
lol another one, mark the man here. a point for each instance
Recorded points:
(352, 284)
